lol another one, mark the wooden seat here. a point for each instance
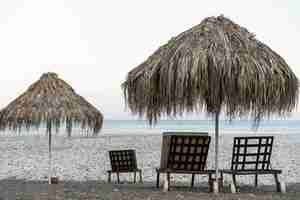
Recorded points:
(184, 153)
(252, 156)
(123, 161)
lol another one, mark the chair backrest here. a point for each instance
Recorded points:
(252, 153)
(186, 152)
(123, 160)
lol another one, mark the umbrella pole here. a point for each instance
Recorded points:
(49, 134)
(216, 185)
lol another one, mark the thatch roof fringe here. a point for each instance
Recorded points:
(50, 99)
(214, 64)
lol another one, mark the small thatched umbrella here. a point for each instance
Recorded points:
(215, 66)
(50, 101)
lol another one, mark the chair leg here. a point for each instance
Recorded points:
(134, 178)
(168, 179)
(109, 177)
(141, 179)
(255, 180)
(221, 181)
(234, 180)
(277, 182)
(157, 179)
(193, 178)
(233, 187)
(210, 183)
(118, 177)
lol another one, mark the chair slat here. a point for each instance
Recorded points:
(254, 148)
(123, 160)
(188, 153)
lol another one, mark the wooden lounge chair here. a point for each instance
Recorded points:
(123, 161)
(184, 153)
(252, 156)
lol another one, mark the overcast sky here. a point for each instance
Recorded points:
(92, 44)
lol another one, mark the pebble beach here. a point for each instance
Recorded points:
(81, 162)
(86, 158)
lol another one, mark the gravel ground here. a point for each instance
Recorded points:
(83, 159)
(81, 164)
(19, 189)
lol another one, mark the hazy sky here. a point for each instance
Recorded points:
(92, 44)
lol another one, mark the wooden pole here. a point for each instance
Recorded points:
(49, 134)
(216, 184)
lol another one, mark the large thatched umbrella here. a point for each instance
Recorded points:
(214, 66)
(50, 101)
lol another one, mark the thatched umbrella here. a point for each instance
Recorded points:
(214, 66)
(50, 101)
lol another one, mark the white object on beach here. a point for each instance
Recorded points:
(282, 187)
(216, 187)
(232, 188)
(166, 184)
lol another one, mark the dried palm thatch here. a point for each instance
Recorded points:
(216, 65)
(50, 100)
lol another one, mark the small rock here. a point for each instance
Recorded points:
(179, 196)
(252, 195)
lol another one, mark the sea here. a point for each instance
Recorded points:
(288, 126)
(140, 127)
(291, 128)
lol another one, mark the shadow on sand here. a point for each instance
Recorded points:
(21, 189)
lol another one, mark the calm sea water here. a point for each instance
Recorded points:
(291, 127)
(284, 126)
(242, 127)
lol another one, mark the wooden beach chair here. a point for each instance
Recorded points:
(184, 153)
(252, 156)
(123, 161)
